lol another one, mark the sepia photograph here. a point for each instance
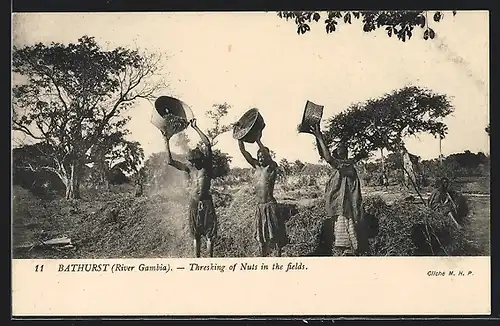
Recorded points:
(250, 134)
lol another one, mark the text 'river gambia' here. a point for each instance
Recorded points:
(191, 267)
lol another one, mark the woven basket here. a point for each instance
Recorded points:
(311, 117)
(249, 127)
(169, 105)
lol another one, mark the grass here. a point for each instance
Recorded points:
(118, 225)
(479, 231)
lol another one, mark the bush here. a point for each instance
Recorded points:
(297, 182)
(221, 199)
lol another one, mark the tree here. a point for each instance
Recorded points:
(26, 161)
(467, 159)
(221, 163)
(216, 114)
(400, 23)
(298, 165)
(221, 160)
(285, 166)
(74, 96)
(158, 174)
(115, 156)
(385, 122)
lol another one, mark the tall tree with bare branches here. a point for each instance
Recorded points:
(71, 97)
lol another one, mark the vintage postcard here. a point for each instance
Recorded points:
(251, 163)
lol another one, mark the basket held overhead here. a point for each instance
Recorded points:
(171, 115)
(311, 117)
(249, 127)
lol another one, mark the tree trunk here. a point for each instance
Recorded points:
(440, 151)
(138, 190)
(73, 183)
(105, 175)
(384, 177)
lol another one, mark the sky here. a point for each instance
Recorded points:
(255, 59)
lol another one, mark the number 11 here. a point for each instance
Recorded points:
(39, 268)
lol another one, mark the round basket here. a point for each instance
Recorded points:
(249, 127)
(165, 105)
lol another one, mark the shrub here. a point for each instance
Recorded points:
(221, 199)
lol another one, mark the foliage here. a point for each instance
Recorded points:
(467, 159)
(386, 121)
(285, 166)
(115, 158)
(216, 115)
(456, 165)
(116, 176)
(453, 166)
(28, 172)
(74, 96)
(158, 173)
(239, 175)
(400, 23)
(220, 161)
(315, 170)
(290, 168)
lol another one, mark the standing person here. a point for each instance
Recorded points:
(343, 199)
(270, 231)
(202, 216)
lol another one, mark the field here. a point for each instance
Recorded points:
(115, 224)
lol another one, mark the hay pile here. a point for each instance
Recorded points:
(401, 229)
(237, 226)
(412, 229)
(305, 232)
(135, 227)
(118, 225)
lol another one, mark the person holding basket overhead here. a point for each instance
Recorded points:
(270, 228)
(199, 172)
(343, 198)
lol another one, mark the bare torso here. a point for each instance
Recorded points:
(199, 184)
(265, 178)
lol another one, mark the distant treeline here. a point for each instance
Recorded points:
(155, 171)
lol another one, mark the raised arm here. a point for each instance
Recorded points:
(170, 161)
(262, 147)
(248, 157)
(322, 148)
(204, 138)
